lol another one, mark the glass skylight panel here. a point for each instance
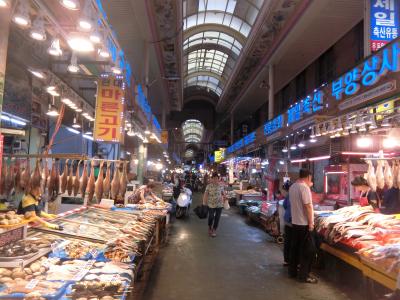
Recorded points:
(192, 130)
(236, 15)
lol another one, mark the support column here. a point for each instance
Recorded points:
(367, 25)
(232, 127)
(271, 92)
(142, 162)
(146, 69)
(5, 17)
(164, 118)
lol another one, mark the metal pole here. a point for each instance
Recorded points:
(367, 25)
(270, 92)
(232, 126)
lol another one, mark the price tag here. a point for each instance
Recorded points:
(32, 284)
(93, 252)
(82, 273)
(115, 278)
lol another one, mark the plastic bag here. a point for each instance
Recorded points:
(226, 205)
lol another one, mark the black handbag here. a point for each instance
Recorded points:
(201, 211)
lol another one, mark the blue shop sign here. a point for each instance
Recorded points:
(247, 140)
(156, 125)
(273, 125)
(369, 73)
(307, 106)
(143, 104)
(384, 19)
(250, 138)
(123, 64)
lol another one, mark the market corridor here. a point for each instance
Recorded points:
(240, 263)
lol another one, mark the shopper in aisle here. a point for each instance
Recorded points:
(302, 248)
(213, 198)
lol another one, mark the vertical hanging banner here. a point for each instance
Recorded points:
(1, 152)
(109, 123)
(164, 137)
(384, 20)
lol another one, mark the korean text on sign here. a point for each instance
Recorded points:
(369, 73)
(384, 22)
(109, 110)
(307, 106)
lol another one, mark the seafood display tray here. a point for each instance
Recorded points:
(16, 263)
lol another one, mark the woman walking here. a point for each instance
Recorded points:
(213, 198)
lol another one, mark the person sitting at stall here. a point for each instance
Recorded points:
(144, 194)
(264, 194)
(367, 196)
(31, 209)
(278, 196)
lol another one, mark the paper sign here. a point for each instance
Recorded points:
(109, 121)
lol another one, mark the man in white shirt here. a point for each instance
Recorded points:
(302, 250)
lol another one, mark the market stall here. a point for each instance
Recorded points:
(98, 253)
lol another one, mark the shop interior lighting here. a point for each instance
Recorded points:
(360, 120)
(21, 15)
(285, 149)
(319, 158)
(103, 51)
(79, 42)
(85, 21)
(66, 100)
(348, 124)
(313, 140)
(294, 161)
(130, 132)
(390, 142)
(145, 140)
(317, 131)
(89, 130)
(293, 146)
(37, 73)
(95, 35)
(4, 3)
(55, 49)
(13, 119)
(147, 131)
(372, 123)
(323, 130)
(75, 124)
(312, 134)
(88, 137)
(331, 127)
(79, 109)
(37, 31)
(345, 132)
(73, 66)
(339, 126)
(281, 162)
(385, 122)
(353, 129)
(364, 142)
(116, 69)
(338, 134)
(363, 128)
(370, 119)
(73, 130)
(70, 4)
(52, 112)
(301, 144)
